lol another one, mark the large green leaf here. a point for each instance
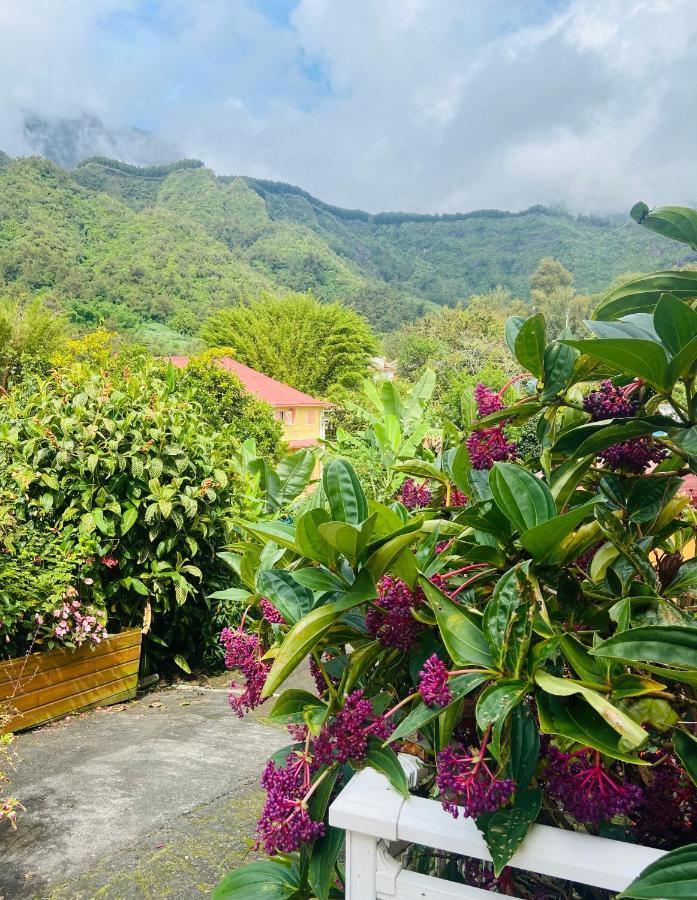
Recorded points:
(463, 640)
(558, 365)
(685, 746)
(271, 879)
(507, 620)
(307, 632)
(310, 542)
(380, 561)
(524, 746)
(347, 502)
(419, 468)
(633, 734)
(573, 718)
(676, 222)
(645, 359)
(529, 344)
(523, 498)
(497, 700)
(421, 715)
(294, 473)
(672, 877)
(290, 598)
(325, 853)
(641, 294)
(593, 437)
(278, 532)
(671, 645)
(675, 322)
(538, 541)
(505, 830)
(384, 759)
(290, 706)
(350, 540)
(566, 478)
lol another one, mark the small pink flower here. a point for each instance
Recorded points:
(39, 619)
(110, 561)
(88, 580)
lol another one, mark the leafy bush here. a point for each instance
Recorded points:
(121, 461)
(536, 649)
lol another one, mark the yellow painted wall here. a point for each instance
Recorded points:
(305, 424)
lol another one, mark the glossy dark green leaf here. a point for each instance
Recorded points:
(289, 707)
(325, 853)
(347, 502)
(573, 718)
(511, 329)
(278, 532)
(558, 366)
(310, 542)
(685, 746)
(675, 322)
(676, 222)
(645, 359)
(290, 598)
(524, 746)
(672, 877)
(421, 715)
(294, 473)
(641, 294)
(529, 347)
(385, 760)
(463, 639)
(507, 620)
(317, 578)
(380, 561)
(496, 702)
(671, 645)
(271, 879)
(349, 540)
(505, 830)
(543, 538)
(307, 632)
(523, 498)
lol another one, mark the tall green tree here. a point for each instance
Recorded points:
(310, 345)
(30, 333)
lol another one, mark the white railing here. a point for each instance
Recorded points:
(379, 823)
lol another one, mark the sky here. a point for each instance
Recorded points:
(414, 105)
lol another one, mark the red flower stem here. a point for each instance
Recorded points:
(467, 583)
(512, 381)
(481, 565)
(401, 703)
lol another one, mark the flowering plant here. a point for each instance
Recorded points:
(536, 648)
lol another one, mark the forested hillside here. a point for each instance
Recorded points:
(165, 244)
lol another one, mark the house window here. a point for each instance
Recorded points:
(285, 416)
(309, 417)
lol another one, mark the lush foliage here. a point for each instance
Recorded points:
(122, 245)
(30, 334)
(537, 649)
(310, 345)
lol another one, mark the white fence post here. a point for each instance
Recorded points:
(361, 866)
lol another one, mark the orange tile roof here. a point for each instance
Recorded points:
(268, 389)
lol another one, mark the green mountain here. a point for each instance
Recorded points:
(163, 245)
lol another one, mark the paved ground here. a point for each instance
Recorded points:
(151, 799)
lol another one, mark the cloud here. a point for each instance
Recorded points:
(423, 105)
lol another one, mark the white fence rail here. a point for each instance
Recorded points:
(379, 823)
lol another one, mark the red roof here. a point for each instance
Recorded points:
(273, 392)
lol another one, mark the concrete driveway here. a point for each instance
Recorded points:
(150, 799)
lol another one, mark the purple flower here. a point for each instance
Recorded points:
(457, 498)
(584, 789)
(346, 737)
(413, 495)
(464, 779)
(609, 402)
(390, 619)
(433, 682)
(667, 814)
(285, 820)
(243, 653)
(487, 400)
(489, 445)
(270, 613)
(633, 456)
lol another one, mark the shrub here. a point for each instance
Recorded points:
(120, 461)
(537, 649)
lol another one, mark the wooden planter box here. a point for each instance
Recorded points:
(45, 686)
(379, 823)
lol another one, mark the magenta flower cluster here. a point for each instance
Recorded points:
(346, 736)
(487, 401)
(610, 402)
(458, 498)
(667, 814)
(285, 821)
(487, 446)
(465, 780)
(433, 682)
(413, 495)
(585, 789)
(389, 619)
(270, 613)
(243, 653)
(71, 624)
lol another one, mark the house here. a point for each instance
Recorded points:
(302, 416)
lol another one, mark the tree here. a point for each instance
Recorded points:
(30, 333)
(552, 291)
(310, 345)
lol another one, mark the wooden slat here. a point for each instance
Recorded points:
(29, 682)
(64, 689)
(103, 695)
(58, 682)
(52, 659)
